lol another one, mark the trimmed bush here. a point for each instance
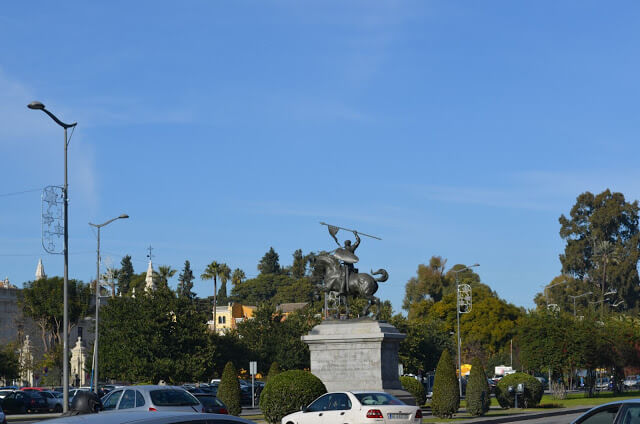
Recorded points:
(478, 398)
(446, 392)
(414, 387)
(532, 391)
(273, 370)
(229, 389)
(287, 392)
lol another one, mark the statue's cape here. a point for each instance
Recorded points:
(345, 256)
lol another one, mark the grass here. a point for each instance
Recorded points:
(547, 402)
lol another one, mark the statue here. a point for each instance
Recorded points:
(341, 278)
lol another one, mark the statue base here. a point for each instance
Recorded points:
(357, 354)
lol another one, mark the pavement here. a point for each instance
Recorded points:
(516, 416)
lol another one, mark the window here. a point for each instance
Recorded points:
(631, 414)
(339, 402)
(320, 404)
(128, 400)
(222, 320)
(602, 416)
(139, 399)
(171, 397)
(377, 399)
(112, 400)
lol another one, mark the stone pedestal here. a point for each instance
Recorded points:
(357, 354)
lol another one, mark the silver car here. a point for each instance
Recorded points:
(54, 400)
(620, 412)
(150, 418)
(151, 398)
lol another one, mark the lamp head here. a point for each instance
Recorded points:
(123, 216)
(35, 105)
(475, 265)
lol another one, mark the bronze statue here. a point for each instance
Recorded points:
(341, 277)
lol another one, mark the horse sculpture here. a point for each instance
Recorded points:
(359, 284)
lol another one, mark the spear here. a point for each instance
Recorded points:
(353, 231)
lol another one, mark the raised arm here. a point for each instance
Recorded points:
(357, 243)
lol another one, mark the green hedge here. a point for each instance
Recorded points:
(478, 397)
(414, 387)
(532, 391)
(229, 389)
(287, 392)
(446, 392)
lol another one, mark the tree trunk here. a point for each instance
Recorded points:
(215, 303)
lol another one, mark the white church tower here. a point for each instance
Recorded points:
(150, 282)
(40, 275)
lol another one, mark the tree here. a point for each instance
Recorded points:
(238, 276)
(478, 397)
(164, 273)
(269, 264)
(214, 271)
(40, 300)
(124, 275)
(185, 282)
(299, 266)
(446, 392)
(222, 294)
(274, 370)
(430, 284)
(424, 344)
(229, 389)
(9, 364)
(593, 220)
(168, 342)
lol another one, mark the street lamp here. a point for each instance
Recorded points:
(576, 297)
(466, 268)
(95, 343)
(546, 295)
(65, 319)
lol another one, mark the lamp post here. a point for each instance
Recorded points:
(546, 295)
(577, 297)
(466, 268)
(65, 320)
(95, 343)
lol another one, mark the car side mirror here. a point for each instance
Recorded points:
(304, 409)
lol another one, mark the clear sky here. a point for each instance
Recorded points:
(454, 128)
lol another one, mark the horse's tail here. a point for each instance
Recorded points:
(384, 276)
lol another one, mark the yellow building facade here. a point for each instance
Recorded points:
(228, 317)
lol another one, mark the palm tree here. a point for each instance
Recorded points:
(164, 273)
(213, 271)
(238, 276)
(605, 253)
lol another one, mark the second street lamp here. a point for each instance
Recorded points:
(95, 343)
(466, 268)
(65, 289)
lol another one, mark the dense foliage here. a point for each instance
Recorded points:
(414, 387)
(229, 389)
(424, 344)
(446, 391)
(532, 391)
(478, 395)
(287, 392)
(274, 370)
(9, 364)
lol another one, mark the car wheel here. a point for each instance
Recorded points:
(57, 408)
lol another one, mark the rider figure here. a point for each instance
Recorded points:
(351, 248)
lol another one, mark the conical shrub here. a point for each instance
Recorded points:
(478, 396)
(273, 370)
(229, 389)
(446, 392)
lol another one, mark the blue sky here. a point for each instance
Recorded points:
(460, 129)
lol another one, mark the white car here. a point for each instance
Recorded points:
(356, 407)
(151, 398)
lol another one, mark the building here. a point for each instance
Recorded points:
(285, 309)
(230, 316)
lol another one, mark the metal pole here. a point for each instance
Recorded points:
(459, 342)
(95, 343)
(65, 320)
(253, 395)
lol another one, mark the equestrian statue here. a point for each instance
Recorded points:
(342, 279)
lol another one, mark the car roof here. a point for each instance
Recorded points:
(140, 417)
(150, 387)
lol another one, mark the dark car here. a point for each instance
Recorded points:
(20, 402)
(212, 404)
(621, 412)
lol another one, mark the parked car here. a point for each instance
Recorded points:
(20, 402)
(32, 389)
(632, 382)
(151, 398)
(54, 400)
(3, 393)
(3, 418)
(356, 407)
(212, 404)
(603, 383)
(72, 393)
(620, 412)
(126, 417)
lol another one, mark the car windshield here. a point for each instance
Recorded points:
(210, 401)
(170, 397)
(58, 395)
(377, 399)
